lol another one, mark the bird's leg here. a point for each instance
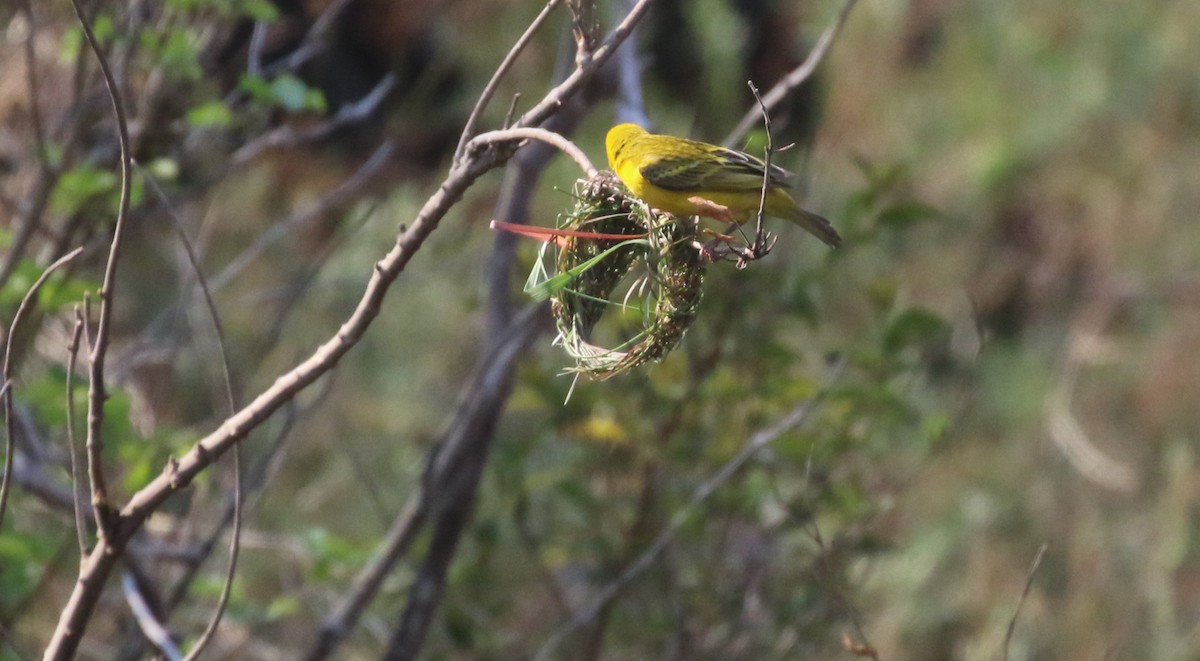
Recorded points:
(723, 238)
(710, 209)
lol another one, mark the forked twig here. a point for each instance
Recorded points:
(489, 90)
(795, 77)
(96, 392)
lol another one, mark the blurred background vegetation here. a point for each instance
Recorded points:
(1015, 312)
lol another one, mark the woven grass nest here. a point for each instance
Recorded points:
(659, 262)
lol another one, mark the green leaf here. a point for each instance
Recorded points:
(282, 606)
(210, 114)
(290, 92)
(881, 291)
(104, 28)
(256, 86)
(69, 44)
(62, 292)
(287, 92)
(179, 55)
(79, 185)
(540, 291)
(22, 555)
(164, 169)
(260, 10)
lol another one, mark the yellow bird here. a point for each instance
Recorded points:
(689, 178)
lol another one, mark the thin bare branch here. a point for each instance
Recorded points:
(489, 90)
(76, 476)
(256, 480)
(96, 392)
(23, 310)
(795, 77)
(770, 151)
(366, 585)
(231, 402)
(1064, 429)
(1012, 623)
(757, 442)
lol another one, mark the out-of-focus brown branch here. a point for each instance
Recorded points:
(463, 455)
(31, 75)
(523, 174)
(453, 473)
(757, 442)
(1012, 623)
(1064, 429)
(795, 77)
(148, 621)
(366, 585)
(316, 40)
(463, 446)
(345, 193)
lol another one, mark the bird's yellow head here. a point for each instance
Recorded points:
(616, 143)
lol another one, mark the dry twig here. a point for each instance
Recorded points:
(795, 77)
(96, 392)
(22, 311)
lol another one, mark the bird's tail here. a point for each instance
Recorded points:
(818, 226)
(784, 206)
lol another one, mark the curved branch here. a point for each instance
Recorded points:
(6, 391)
(549, 137)
(489, 90)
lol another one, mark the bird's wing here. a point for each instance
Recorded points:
(710, 168)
